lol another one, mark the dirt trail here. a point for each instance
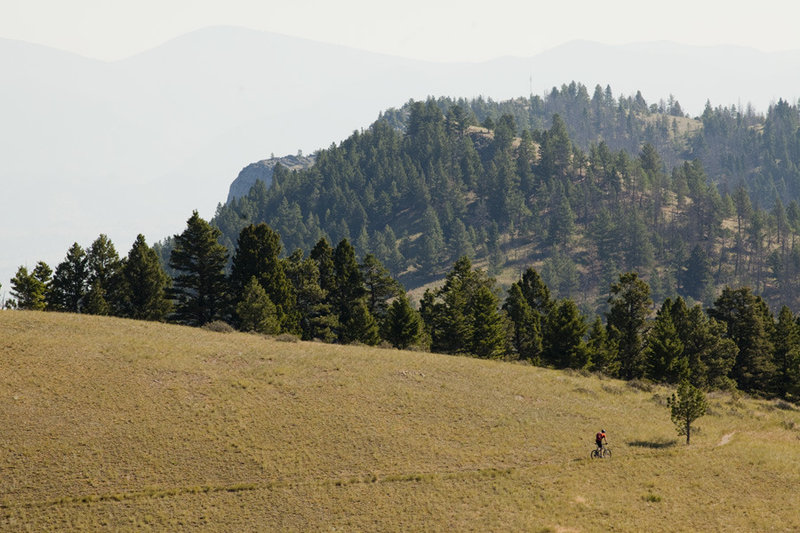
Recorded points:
(726, 438)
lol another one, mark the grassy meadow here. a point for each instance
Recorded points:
(111, 424)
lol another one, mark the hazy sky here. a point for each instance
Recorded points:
(463, 30)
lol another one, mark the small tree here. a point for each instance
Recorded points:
(689, 405)
(256, 311)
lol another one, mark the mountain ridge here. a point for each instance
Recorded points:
(76, 129)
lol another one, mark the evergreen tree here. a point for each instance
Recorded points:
(199, 288)
(488, 325)
(30, 289)
(103, 265)
(317, 320)
(709, 355)
(664, 351)
(689, 405)
(452, 311)
(403, 326)
(144, 285)
(256, 311)
(380, 286)
(361, 326)
(748, 323)
(563, 336)
(349, 298)
(786, 339)
(96, 301)
(695, 277)
(322, 253)
(69, 285)
(627, 318)
(601, 352)
(257, 255)
(527, 323)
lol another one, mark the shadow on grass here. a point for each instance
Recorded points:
(656, 444)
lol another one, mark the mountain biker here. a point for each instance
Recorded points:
(599, 438)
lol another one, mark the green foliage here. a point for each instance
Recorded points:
(199, 289)
(689, 405)
(143, 284)
(317, 320)
(462, 316)
(665, 351)
(749, 324)
(257, 255)
(564, 330)
(68, 288)
(403, 326)
(627, 318)
(30, 289)
(256, 311)
(103, 265)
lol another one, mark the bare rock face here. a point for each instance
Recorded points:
(262, 171)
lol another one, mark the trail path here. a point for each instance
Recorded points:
(726, 438)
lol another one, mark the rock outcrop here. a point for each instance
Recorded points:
(262, 170)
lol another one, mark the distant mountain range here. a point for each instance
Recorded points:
(132, 146)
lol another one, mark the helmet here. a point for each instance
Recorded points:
(602, 431)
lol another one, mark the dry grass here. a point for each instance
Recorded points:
(120, 425)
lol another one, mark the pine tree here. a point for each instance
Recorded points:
(627, 317)
(689, 405)
(403, 326)
(103, 265)
(665, 352)
(199, 290)
(462, 315)
(349, 298)
(30, 289)
(527, 324)
(258, 255)
(145, 285)
(69, 285)
(563, 336)
(380, 286)
(695, 277)
(749, 324)
(256, 311)
(601, 351)
(786, 340)
(317, 320)
(488, 325)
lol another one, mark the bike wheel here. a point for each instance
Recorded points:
(594, 455)
(606, 453)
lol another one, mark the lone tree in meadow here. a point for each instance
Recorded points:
(689, 405)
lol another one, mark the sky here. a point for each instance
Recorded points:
(462, 30)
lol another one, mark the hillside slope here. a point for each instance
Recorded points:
(117, 424)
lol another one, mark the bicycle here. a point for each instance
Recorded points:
(600, 453)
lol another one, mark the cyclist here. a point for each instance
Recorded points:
(599, 438)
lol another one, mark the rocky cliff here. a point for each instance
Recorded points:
(262, 170)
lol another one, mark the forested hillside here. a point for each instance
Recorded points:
(583, 188)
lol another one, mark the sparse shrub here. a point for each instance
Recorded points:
(218, 326)
(643, 385)
(789, 424)
(612, 389)
(785, 406)
(659, 400)
(287, 337)
(653, 498)
(385, 345)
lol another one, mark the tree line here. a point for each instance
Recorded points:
(623, 186)
(330, 296)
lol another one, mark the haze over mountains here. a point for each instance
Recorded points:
(89, 147)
